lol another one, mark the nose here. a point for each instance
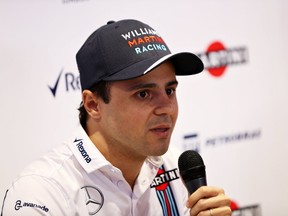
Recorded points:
(165, 105)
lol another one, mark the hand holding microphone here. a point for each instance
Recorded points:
(210, 201)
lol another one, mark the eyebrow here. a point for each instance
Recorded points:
(150, 85)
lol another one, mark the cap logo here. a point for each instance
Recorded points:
(144, 40)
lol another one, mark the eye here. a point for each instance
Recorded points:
(143, 94)
(170, 91)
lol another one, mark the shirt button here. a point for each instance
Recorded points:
(120, 183)
(144, 182)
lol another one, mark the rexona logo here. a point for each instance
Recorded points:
(79, 143)
(217, 57)
(69, 80)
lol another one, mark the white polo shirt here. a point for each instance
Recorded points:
(76, 179)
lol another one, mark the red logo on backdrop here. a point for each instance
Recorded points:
(234, 206)
(216, 47)
(218, 57)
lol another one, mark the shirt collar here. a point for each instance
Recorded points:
(86, 152)
(155, 160)
(90, 158)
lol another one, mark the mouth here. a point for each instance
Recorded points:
(162, 131)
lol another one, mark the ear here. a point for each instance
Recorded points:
(91, 104)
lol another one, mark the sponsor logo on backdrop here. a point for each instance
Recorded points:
(253, 210)
(72, 1)
(218, 57)
(65, 81)
(232, 138)
(192, 141)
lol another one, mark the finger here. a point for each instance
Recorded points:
(221, 211)
(210, 203)
(203, 192)
(205, 204)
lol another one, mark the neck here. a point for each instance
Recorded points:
(130, 169)
(129, 165)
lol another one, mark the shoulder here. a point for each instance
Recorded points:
(44, 185)
(34, 194)
(49, 164)
(50, 183)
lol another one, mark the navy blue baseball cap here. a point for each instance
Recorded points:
(128, 49)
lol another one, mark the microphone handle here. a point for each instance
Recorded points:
(194, 184)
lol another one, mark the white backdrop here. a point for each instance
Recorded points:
(237, 120)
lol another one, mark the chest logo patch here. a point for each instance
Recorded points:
(164, 191)
(94, 199)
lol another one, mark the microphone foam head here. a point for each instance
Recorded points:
(191, 165)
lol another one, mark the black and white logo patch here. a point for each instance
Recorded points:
(94, 199)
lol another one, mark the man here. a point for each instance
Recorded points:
(118, 162)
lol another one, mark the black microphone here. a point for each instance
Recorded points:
(192, 170)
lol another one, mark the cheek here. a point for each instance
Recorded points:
(133, 118)
(125, 118)
(127, 126)
(176, 110)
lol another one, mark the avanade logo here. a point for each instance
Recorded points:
(67, 80)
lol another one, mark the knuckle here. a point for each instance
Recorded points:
(204, 190)
(228, 211)
(221, 191)
(226, 200)
(201, 213)
(201, 204)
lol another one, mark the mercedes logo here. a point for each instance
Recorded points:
(94, 199)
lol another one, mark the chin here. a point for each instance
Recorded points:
(160, 152)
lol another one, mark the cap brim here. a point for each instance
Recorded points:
(185, 63)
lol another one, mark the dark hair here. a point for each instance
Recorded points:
(102, 90)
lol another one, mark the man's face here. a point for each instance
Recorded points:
(140, 117)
